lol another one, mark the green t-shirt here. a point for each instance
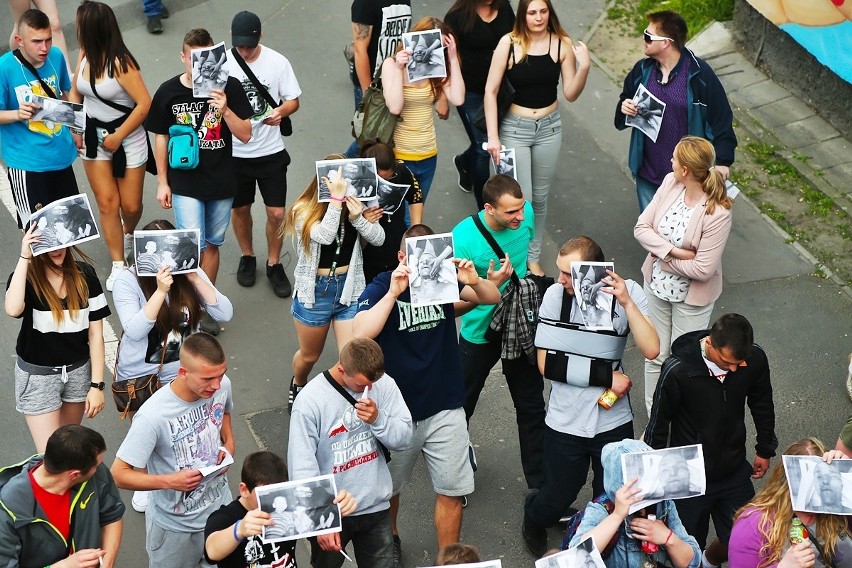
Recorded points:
(470, 244)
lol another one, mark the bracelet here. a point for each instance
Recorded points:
(341, 199)
(26, 257)
(668, 537)
(236, 525)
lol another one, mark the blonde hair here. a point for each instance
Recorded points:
(76, 287)
(520, 34)
(306, 212)
(773, 505)
(698, 156)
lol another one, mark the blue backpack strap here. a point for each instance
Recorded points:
(577, 518)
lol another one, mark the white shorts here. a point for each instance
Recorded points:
(135, 148)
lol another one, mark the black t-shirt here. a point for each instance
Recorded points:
(252, 551)
(477, 45)
(350, 233)
(389, 19)
(173, 103)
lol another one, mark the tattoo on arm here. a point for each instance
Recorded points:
(361, 31)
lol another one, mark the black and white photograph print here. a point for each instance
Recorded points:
(62, 223)
(427, 55)
(819, 487)
(671, 473)
(58, 111)
(487, 564)
(208, 70)
(391, 196)
(179, 249)
(649, 113)
(584, 555)
(299, 508)
(507, 163)
(595, 305)
(433, 278)
(361, 175)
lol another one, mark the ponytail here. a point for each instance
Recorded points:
(715, 190)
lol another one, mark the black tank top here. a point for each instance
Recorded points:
(346, 247)
(536, 78)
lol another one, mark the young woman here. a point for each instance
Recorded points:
(157, 314)
(534, 56)
(59, 373)
(761, 534)
(108, 81)
(329, 274)
(477, 26)
(415, 142)
(684, 229)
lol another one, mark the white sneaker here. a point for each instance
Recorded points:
(140, 501)
(116, 268)
(128, 246)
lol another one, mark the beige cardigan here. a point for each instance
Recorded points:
(705, 234)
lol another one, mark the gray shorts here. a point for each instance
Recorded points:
(444, 442)
(172, 548)
(40, 390)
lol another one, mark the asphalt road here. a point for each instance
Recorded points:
(802, 322)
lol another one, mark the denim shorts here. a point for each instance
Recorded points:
(212, 217)
(327, 306)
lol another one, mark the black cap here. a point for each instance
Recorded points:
(245, 30)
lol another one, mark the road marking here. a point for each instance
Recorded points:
(110, 338)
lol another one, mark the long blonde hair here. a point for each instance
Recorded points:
(520, 34)
(76, 287)
(776, 510)
(699, 156)
(307, 211)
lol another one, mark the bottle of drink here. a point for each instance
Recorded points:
(649, 547)
(607, 399)
(798, 531)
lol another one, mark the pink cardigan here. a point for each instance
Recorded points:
(705, 234)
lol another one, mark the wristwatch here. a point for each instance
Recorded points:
(100, 386)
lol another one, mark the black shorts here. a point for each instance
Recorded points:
(269, 173)
(34, 190)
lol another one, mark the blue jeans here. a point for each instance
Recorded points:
(212, 217)
(152, 7)
(645, 190)
(372, 539)
(527, 389)
(537, 144)
(424, 173)
(474, 159)
(566, 465)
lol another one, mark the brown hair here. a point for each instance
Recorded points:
(671, 25)
(76, 287)
(100, 40)
(430, 23)
(589, 249)
(457, 553)
(520, 34)
(499, 185)
(263, 468)
(419, 230)
(468, 12)
(202, 345)
(699, 156)
(375, 148)
(307, 211)
(363, 356)
(34, 19)
(734, 332)
(197, 37)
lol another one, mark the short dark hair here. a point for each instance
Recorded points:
(203, 345)
(197, 37)
(419, 230)
(734, 332)
(73, 447)
(499, 185)
(363, 356)
(587, 247)
(457, 553)
(375, 148)
(34, 19)
(672, 25)
(263, 468)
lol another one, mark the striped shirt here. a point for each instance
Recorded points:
(43, 341)
(414, 136)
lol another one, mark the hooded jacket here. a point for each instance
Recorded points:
(628, 551)
(693, 407)
(28, 539)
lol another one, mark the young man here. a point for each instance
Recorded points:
(202, 196)
(509, 219)
(180, 429)
(38, 153)
(41, 495)
(328, 434)
(421, 348)
(263, 160)
(581, 364)
(700, 399)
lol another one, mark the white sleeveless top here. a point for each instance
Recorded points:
(109, 89)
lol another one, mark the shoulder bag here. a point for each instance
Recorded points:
(385, 452)
(129, 394)
(286, 125)
(373, 119)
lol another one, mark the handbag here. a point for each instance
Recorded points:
(130, 394)
(286, 125)
(505, 98)
(373, 119)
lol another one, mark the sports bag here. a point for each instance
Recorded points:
(183, 147)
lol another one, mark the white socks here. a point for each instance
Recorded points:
(706, 563)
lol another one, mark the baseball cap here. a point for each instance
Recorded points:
(245, 30)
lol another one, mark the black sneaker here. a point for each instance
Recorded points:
(535, 538)
(209, 325)
(294, 392)
(397, 552)
(155, 25)
(278, 278)
(465, 183)
(247, 271)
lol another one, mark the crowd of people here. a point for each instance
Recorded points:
(406, 383)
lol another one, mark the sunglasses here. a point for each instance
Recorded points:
(649, 37)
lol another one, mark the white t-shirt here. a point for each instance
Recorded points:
(276, 74)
